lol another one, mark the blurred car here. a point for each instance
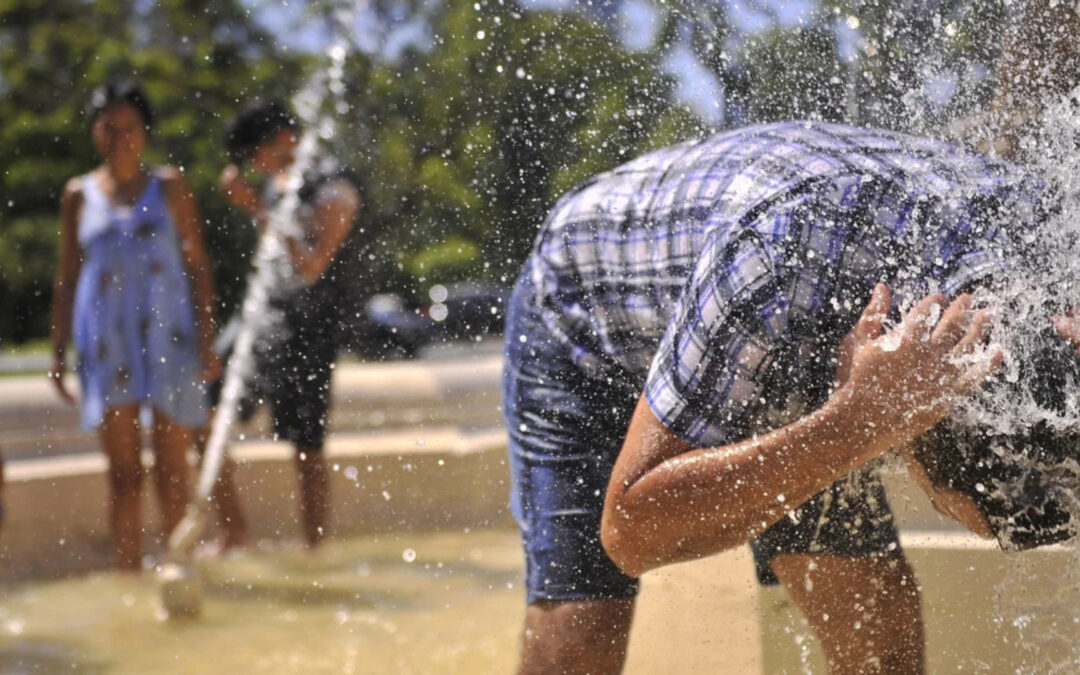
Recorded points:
(460, 311)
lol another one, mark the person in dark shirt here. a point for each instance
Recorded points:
(294, 358)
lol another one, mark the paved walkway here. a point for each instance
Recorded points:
(462, 391)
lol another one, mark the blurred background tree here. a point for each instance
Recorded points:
(467, 118)
(476, 136)
(198, 60)
(910, 65)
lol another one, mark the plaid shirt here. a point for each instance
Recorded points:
(721, 274)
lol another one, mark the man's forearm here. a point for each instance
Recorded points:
(304, 261)
(704, 501)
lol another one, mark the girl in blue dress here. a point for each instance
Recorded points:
(134, 293)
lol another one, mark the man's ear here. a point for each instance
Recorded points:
(1068, 327)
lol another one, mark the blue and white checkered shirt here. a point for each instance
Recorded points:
(722, 273)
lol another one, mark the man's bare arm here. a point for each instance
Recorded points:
(335, 210)
(667, 501)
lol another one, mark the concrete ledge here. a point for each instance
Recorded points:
(440, 478)
(459, 392)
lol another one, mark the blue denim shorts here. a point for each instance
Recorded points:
(566, 428)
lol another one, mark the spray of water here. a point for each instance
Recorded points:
(1041, 616)
(1044, 613)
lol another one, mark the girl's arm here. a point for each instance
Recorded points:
(188, 221)
(67, 275)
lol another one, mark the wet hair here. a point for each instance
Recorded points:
(1024, 481)
(122, 92)
(256, 123)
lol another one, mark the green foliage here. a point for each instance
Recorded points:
(450, 259)
(478, 136)
(198, 61)
(464, 145)
(894, 53)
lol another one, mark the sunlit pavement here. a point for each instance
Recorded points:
(418, 445)
(457, 383)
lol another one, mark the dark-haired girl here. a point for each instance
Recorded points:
(133, 291)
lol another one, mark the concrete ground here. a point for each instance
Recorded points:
(418, 445)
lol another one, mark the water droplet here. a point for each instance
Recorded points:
(890, 342)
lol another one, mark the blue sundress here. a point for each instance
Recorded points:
(134, 322)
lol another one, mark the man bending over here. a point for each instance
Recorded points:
(687, 370)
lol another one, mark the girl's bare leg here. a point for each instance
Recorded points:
(171, 445)
(120, 439)
(314, 493)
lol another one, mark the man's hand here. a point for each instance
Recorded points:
(238, 191)
(56, 376)
(905, 381)
(870, 324)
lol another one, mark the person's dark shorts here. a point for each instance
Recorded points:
(293, 375)
(566, 429)
(851, 519)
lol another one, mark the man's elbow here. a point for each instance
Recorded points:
(308, 268)
(624, 548)
(310, 276)
(637, 543)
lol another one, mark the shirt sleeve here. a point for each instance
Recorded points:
(724, 334)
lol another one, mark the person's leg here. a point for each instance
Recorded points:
(171, 445)
(839, 558)
(300, 406)
(120, 439)
(588, 636)
(314, 493)
(865, 611)
(234, 527)
(226, 498)
(565, 429)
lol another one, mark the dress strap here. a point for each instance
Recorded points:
(96, 213)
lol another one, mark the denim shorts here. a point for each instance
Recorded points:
(566, 428)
